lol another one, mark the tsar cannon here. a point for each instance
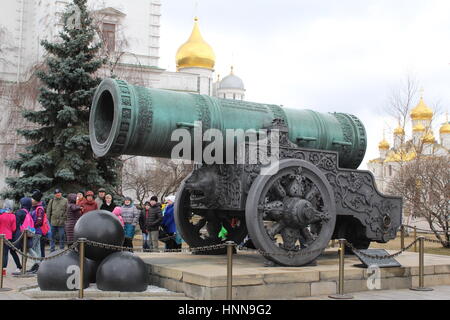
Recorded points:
(291, 206)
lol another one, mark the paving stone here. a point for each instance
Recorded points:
(167, 272)
(269, 291)
(396, 283)
(350, 273)
(320, 288)
(439, 269)
(427, 270)
(220, 280)
(355, 286)
(432, 280)
(292, 277)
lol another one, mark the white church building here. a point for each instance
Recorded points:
(24, 23)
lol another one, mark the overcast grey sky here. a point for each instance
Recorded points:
(325, 55)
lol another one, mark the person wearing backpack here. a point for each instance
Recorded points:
(57, 215)
(40, 225)
(7, 228)
(24, 222)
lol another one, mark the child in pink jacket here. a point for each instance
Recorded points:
(118, 213)
(7, 228)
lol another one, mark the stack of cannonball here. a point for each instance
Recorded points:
(111, 270)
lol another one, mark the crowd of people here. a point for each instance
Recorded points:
(55, 222)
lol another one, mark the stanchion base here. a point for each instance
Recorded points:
(341, 296)
(5, 289)
(421, 289)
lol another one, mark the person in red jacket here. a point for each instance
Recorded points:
(89, 203)
(7, 228)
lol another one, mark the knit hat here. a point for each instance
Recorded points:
(72, 198)
(58, 191)
(117, 211)
(37, 195)
(25, 203)
(154, 198)
(90, 193)
(128, 198)
(170, 198)
(8, 205)
(147, 203)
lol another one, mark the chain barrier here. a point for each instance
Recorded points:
(121, 248)
(288, 253)
(437, 241)
(291, 253)
(424, 230)
(14, 248)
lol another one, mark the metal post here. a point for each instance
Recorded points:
(422, 267)
(81, 252)
(402, 237)
(415, 238)
(24, 250)
(230, 246)
(2, 242)
(24, 258)
(340, 294)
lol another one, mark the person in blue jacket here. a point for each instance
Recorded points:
(169, 226)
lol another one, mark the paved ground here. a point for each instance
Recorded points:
(439, 293)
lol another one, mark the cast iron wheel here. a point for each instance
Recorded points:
(200, 228)
(291, 215)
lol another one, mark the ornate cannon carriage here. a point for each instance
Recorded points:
(291, 206)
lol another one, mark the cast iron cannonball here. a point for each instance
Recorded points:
(124, 272)
(92, 266)
(99, 226)
(62, 273)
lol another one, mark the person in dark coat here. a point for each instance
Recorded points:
(73, 214)
(108, 204)
(153, 222)
(142, 224)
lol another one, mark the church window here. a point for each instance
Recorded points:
(109, 36)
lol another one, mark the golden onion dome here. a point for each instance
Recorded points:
(196, 52)
(429, 138)
(419, 128)
(422, 111)
(445, 129)
(384, 145)
(399, 131)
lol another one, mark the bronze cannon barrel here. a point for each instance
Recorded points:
(133, 120)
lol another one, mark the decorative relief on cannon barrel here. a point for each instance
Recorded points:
(125, 98)
(346, 131)
(145, 112)
(278, 113)
(203, 111)
(216, 186)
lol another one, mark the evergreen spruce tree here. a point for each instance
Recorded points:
(60, 155)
